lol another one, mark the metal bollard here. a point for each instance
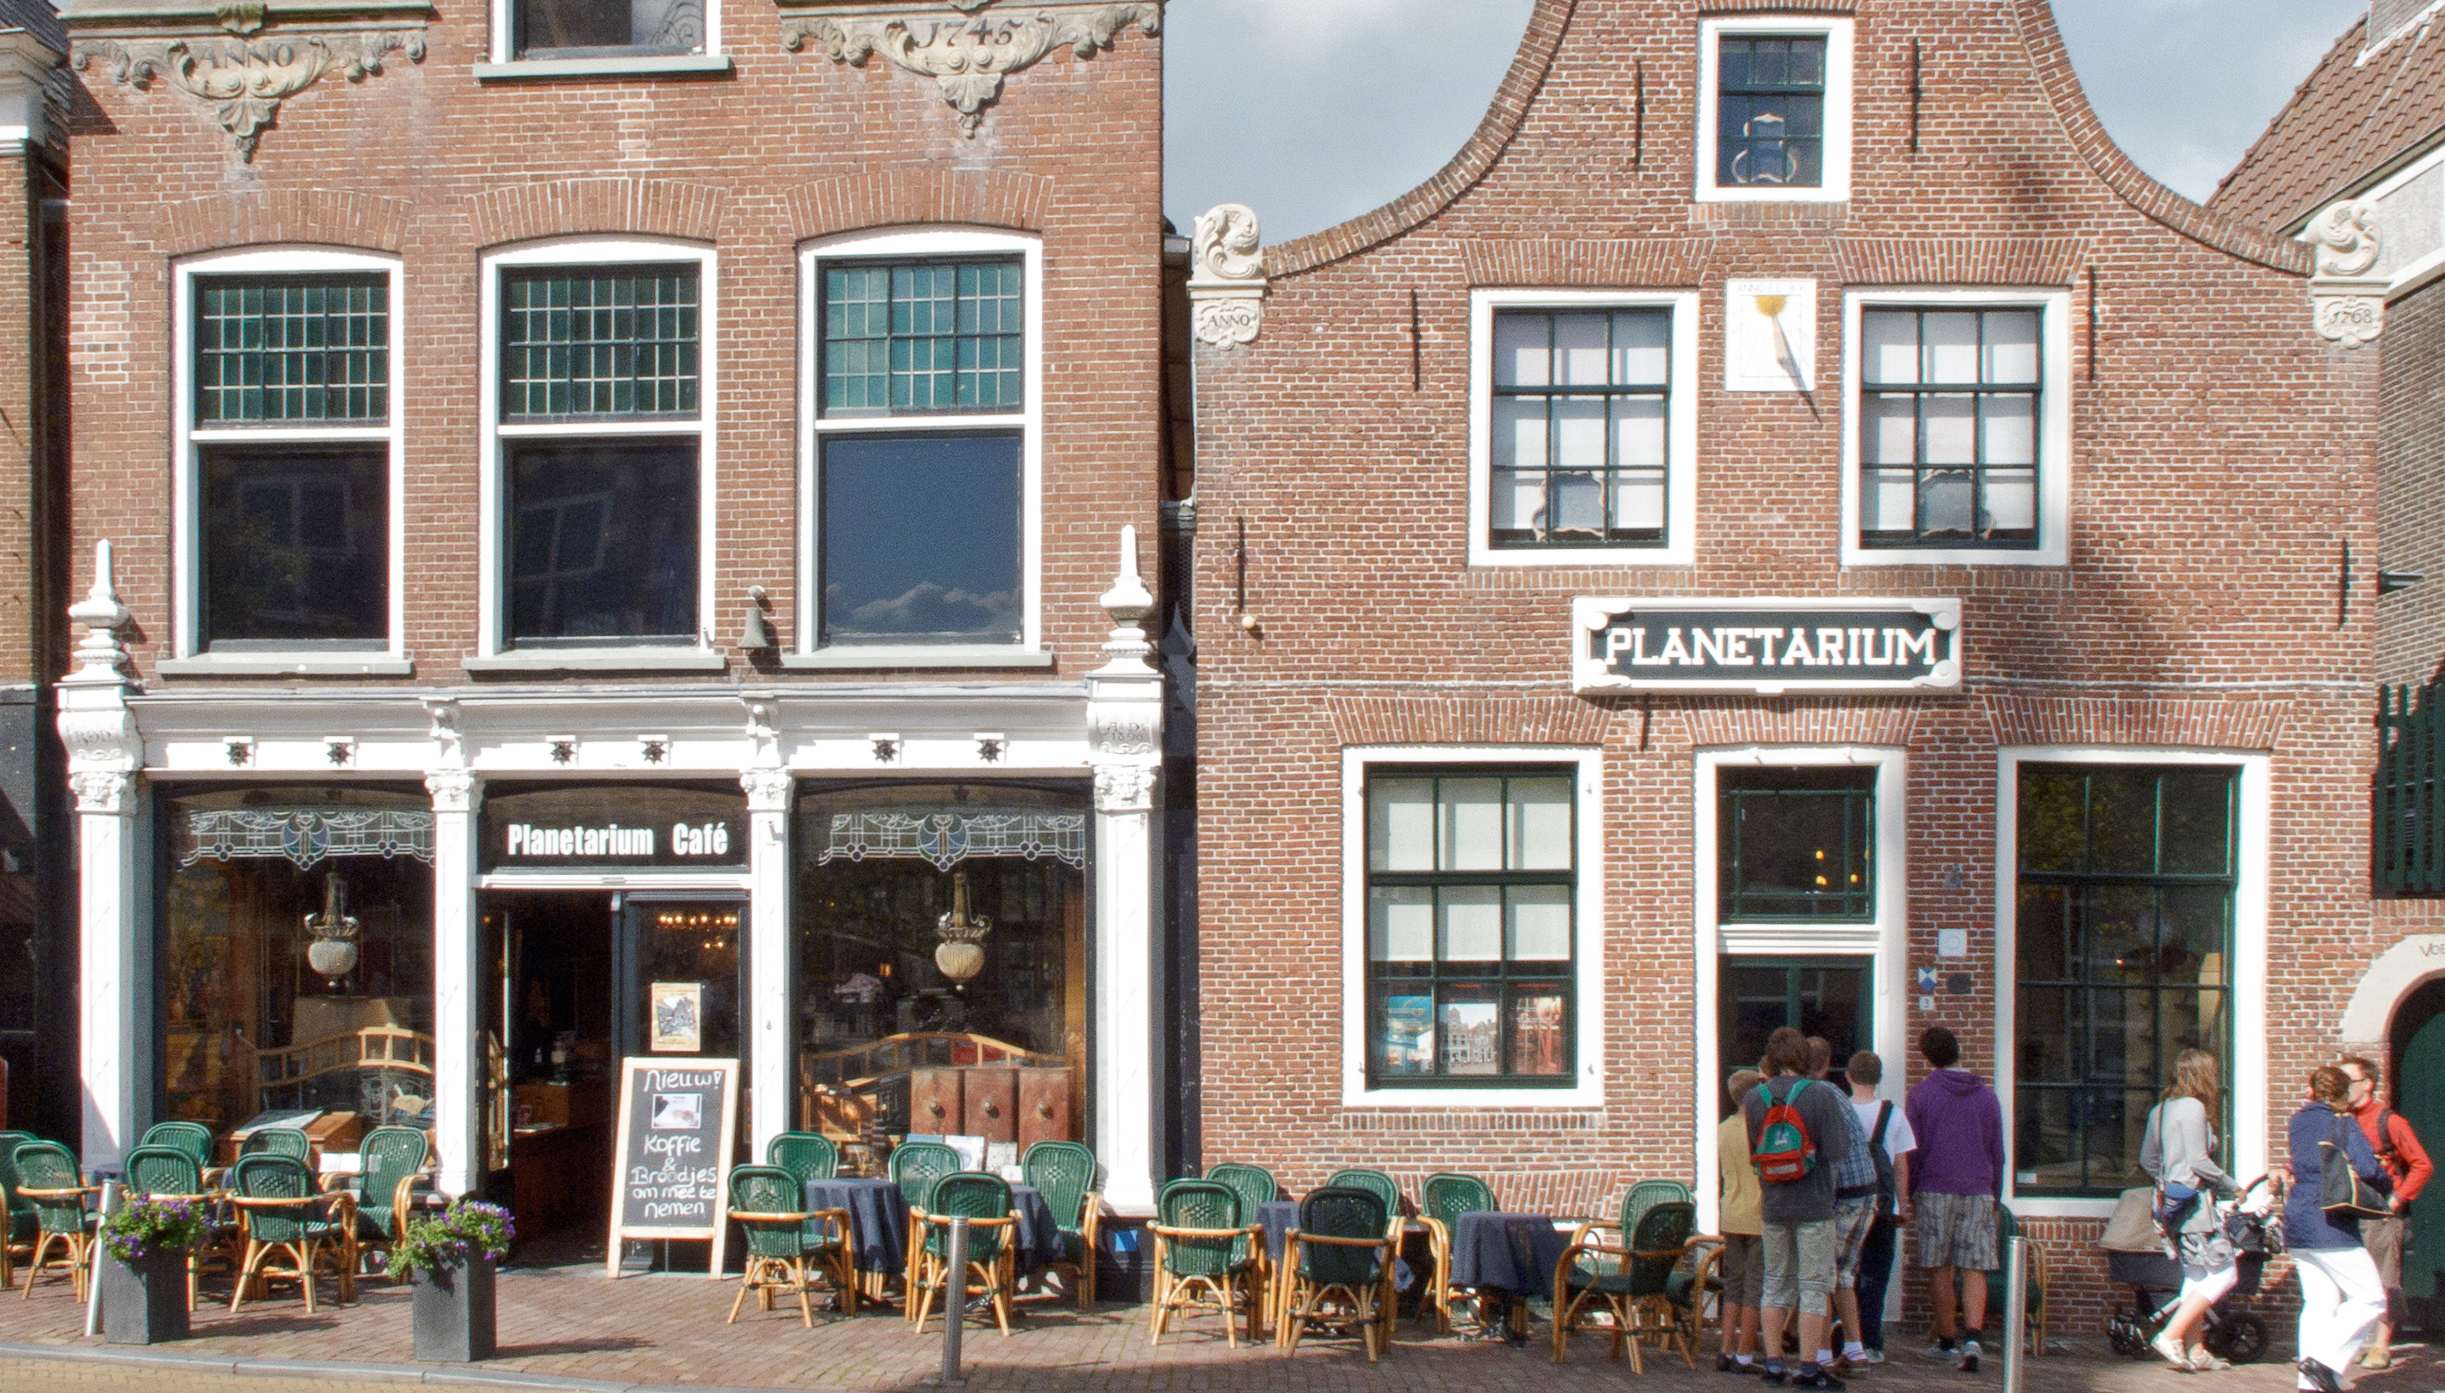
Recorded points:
(955, 1302)
(93, 1287)
(2016, 1309)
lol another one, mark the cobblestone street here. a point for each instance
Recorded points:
(568, 1323)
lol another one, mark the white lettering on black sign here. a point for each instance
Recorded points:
(1766, 646)
(706, 839)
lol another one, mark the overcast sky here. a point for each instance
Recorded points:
(1313, 111)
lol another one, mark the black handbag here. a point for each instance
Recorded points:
(2342, 1193)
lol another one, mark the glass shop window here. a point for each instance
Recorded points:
(1771, 109)
(609, 28)
(1795, 843)
(1472, 938)
(297, 956)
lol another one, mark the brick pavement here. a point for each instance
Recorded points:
(568, 1322)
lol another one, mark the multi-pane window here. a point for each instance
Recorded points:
(2124, 933)
(1949, 427)
(1579, 427)
(601, 526)
(1795, 843)
(292, 534)
(1770, 111)
(605, 28)
(918, 531)
(1471, 927)
(285, 350)
(913, 337)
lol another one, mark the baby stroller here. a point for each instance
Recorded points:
(2155, 1280)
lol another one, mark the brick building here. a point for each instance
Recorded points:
(1789, 526)
(2356, 160)
(615, 529)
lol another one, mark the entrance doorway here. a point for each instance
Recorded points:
(2415, 1082)
(582, 979)
(1832, 997)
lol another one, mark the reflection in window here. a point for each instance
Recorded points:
(1949, 427)
(1471, 927)
(1771, 109)
(287, 350)
(296, 546)
(249, 1022)
(903, 338)
(1579, 427)
(616, 341)
(2124, 928)
(920, 539)
(1795, 843)
(603, 539)
(597, 28)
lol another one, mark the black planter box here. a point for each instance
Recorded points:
(454, 1313)
(144, 1304)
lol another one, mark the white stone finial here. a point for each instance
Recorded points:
(1227, 282)
(1127, 601)
(102, 615)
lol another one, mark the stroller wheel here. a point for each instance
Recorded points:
(2240, 1337)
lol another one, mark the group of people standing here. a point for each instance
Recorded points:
(1818, 1186)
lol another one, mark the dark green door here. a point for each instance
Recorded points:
(2418, 1087)
(1831, 997)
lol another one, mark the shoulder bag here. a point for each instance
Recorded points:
(2342, 1193)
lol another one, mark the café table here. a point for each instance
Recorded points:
(878, 1226)
(1507, 1258)
(1277, 1218)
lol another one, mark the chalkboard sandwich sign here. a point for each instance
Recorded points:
(678, 1125)
(1767, 647)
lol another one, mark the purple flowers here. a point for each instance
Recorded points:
(145, 1226)
(467, 1230)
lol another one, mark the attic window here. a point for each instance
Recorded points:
(1770, 106)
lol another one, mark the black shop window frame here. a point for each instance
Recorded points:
(1506, 982)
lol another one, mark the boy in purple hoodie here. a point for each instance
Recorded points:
(1956, 1181)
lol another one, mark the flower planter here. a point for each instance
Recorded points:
(454, 1313)
(145, 1302)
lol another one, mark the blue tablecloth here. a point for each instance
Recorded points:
(1513, 1253)
(878, 1223)
(1279, 1217)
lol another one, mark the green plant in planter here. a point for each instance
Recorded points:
(145, 1226)
(467, 1230)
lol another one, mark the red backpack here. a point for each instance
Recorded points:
(1785, 1152)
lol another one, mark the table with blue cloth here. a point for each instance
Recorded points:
(1506, 1258)
(878, 1225)
(1279, 1217)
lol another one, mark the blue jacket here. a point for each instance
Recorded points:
(2305, 1224)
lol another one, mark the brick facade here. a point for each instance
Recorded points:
(2222, 455)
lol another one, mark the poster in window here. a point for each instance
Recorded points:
(1470, 1037)
(679, 1017)
(1537, 1044)
(1407, 1045)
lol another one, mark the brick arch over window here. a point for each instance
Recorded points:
(2191, 724)
(596, 207)
(1719, 721)
(312, 217)
(1467, 720)
(918, 195)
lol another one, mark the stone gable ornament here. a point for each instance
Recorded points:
(244, 80)
(970, 56)
(1227, 283)
(2347, 304)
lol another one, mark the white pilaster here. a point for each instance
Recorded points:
(458, 1019)
(772, 1104)
(1125, 731)
(104, 752)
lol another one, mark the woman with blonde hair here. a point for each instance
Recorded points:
(2179, 1153)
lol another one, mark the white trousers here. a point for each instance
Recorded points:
(2211, 1287)
(2341, 1298)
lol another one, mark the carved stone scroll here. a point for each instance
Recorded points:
(1227, 282)
(970, 57)
(2346, 303)
(243, 80)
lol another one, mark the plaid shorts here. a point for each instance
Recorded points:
(1852, 1220)
(1956, 1231)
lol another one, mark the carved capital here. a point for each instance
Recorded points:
(2346, 303)
(453, 790)
(768, 790)
(1124, 788)
(1227, 282)
(244, 80)
(104, 791)
(971, 55)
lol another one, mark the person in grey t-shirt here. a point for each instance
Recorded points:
(1798, 1215)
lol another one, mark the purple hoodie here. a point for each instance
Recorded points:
(1960, 1127)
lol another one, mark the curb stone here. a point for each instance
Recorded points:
(447, 1375)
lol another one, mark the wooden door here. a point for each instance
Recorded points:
(993, 1103)
(935, 1106)
(1044, 1107)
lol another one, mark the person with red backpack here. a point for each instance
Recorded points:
(2399, 1151)
(1799, 1133)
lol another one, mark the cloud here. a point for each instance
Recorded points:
(929, 609)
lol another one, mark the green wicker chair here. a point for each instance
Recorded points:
(1255, 1187)
(171, 1173)
(916, 1167)
(803, 1154)
(1064, 1173)
(1628, 1281)
(283, 1212)
(393, 1160)
(1646, 1195)
(48, 1179)
(984, 1200)
(769, 1203)
(17, 1224)
(1339, 1261)
(1440, 1204)
(194, 1138)
(2008, 1228)
(1201, 1257)
(279, 1141)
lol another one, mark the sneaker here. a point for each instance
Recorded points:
(2171, 1348)
(1816, 1378)
(1869, 1356)
(1939, 1354)
(2319, 1377)
(1775, 1372)
(1969, 1358)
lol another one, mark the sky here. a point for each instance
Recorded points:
(1315, 111)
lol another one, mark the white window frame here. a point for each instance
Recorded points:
(1836, 187)
(188, 440)
(1680, 426)
(1881, 942)
(1590, 973)
(492, 560)
(503, 51)
(814, 428)
(2247, 1077)
(2053, 426)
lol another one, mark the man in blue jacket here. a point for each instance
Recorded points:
(2342, 1296)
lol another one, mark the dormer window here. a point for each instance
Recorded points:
(1774, 109)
